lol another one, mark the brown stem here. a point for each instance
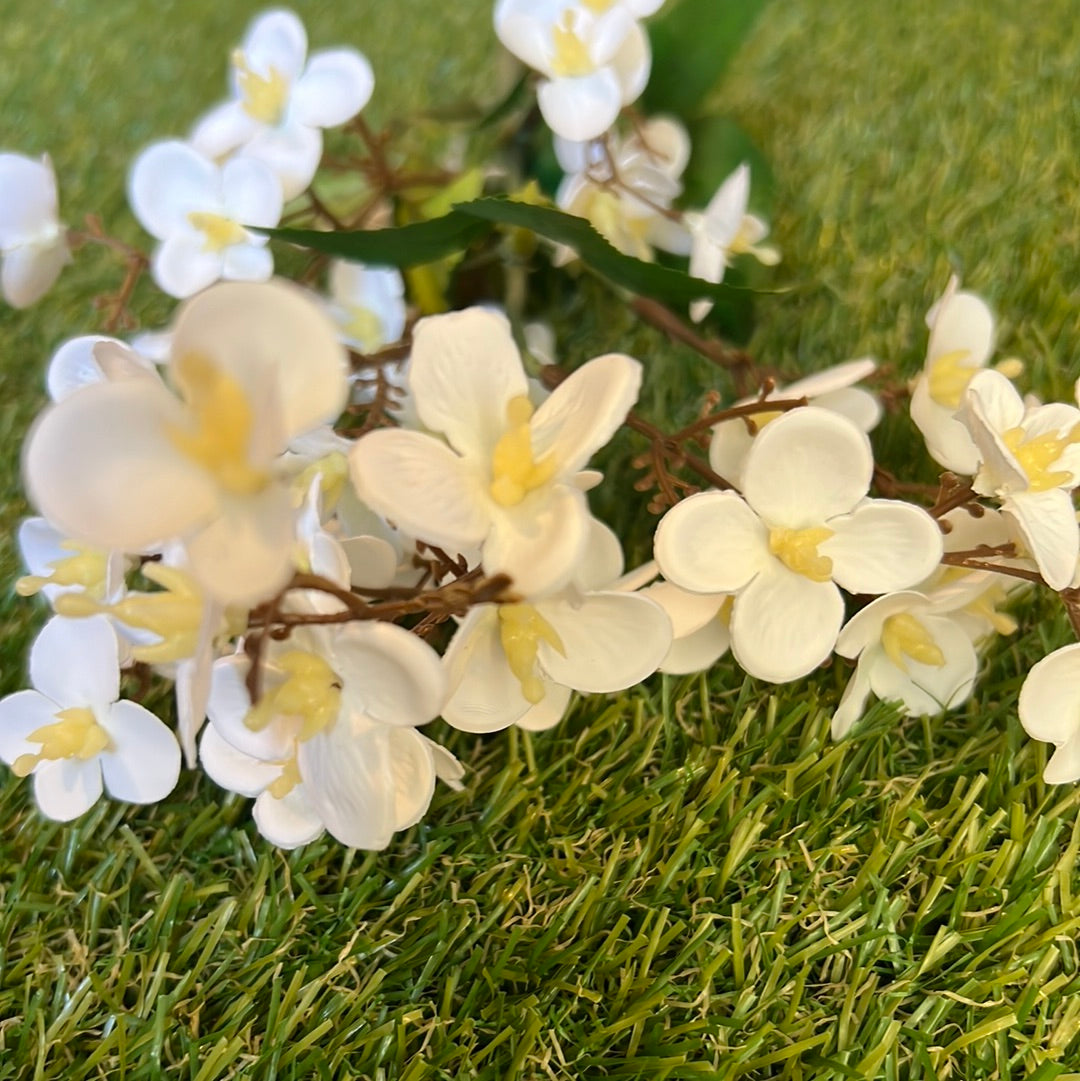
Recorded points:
(973, 560)
(663, 318)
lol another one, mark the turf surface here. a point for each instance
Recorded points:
(687, 881)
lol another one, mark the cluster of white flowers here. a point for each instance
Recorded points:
(210, 514)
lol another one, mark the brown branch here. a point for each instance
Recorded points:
(663, 318)
(975, 559)
(115, 305)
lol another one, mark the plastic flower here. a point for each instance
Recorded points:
(832, 389)
(282, 99)
(961, 341)
(519, 663)
(198, 211)
(33, 243)
(332, 743)
(1029, 460)
(368, 304)
(72, 734)
(130, 465)
(594, 57)
(723, 230)
(909, 650)
(59, 565)
(508, 479)
(1049, 709)
(93, 358)
(700, 625)
(631, 216)
(802, 527)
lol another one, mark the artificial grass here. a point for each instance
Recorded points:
(689, 880)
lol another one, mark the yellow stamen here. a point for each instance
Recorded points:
(904, 636)
(174, 613)
(218, 231)
(949, 377)
(310, 693)
(985, 606)
(1010, 367)
(514, 472)
(264, 96)
(521, 630)
(333, 472)
(571, 54)
(223, 422)
(599, 6)
(627, 234)
(365, 327)
(87, 568)
(76, 734)
(797, 550)
(1037, 454)
(286, 781)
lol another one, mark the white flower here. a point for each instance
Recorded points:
(631, 215)
(594, 57)
(93, 358)
(700, 625)
(909, 650)
(519, 663)
(128, 465)
(33, 243)
(832, 389)
(961, 341)
(332, 742)
(72, 734)
(509, 481)
(802, 527)
(723, 230)
(368, 304)
(282, 100)
(1049, 709)
(59, 565)
(198, 211)
(1029, 460)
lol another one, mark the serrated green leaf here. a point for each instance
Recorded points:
(693, 42)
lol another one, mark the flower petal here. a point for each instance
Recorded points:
(182, 265)
(276, 39)
(485, 696)
(728, 447)
(711, 543)
(806, 467)
(464, 370)
(852, 703)
(585, 410)
(784, 625)
(864, 628)
(962, 323)
(247, 263)
(610, 641)
(143, 764)
(292, 151)
(76, 662)
(547, 713)
(859, 406)
(348, 780)
(1047, 523)
(287, 822)
(698, 650)
(28, 202)
(250, 192)
(222, 130)
(243, 555)
(882, 546)
(229, 704)
(948, 440)
(1049, 703)
(335, 86)
(67, 787)
(633, 64)
(167, 182)
(74, 365)
(20, 714)
(232, 769)
(584, 107)
(28, 273)
(413, 768)
(390, 674)
(540, 542)
(422, 486)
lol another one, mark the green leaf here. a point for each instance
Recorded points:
(411, 245)
(693, 43)
(719, 146)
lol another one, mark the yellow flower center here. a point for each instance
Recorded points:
(904, 636)
(985, 606)
(285, 781)
(949, 377)
(1037, 454)
(87, 568)
(218, 231)
(599, 6)
(333, 472)
(310, 693)
(263, 96)
(76, 734)
(223, 420)
(571, 53)
(797, 549)
(521, 630)
(365, 327)
(514, 472)
(174, 613)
